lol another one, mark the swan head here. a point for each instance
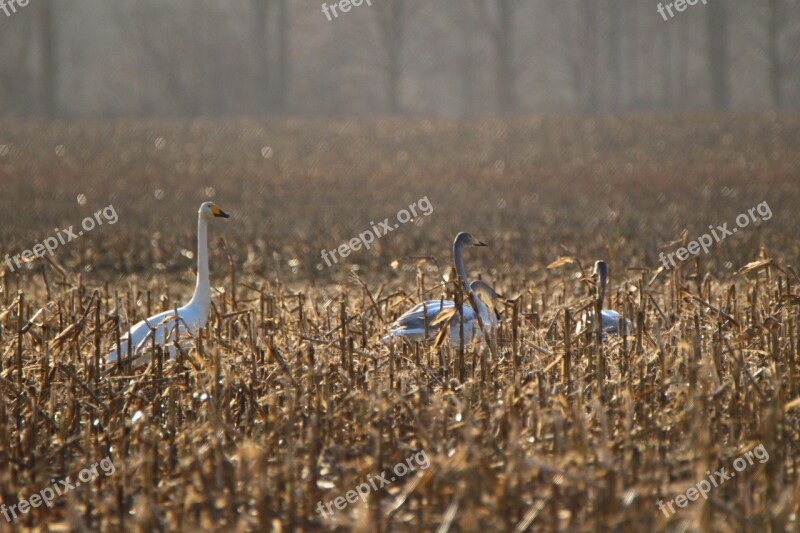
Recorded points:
(210, 210)
(464, 239)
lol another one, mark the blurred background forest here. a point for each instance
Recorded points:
(188, 58)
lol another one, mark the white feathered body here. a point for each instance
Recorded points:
(188, 324)
(611, 323)
(411, 324)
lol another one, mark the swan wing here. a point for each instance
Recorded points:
(141, 334)
(415, 317)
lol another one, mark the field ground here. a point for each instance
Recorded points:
(279, 407)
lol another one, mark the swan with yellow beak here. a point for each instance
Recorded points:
(163, 327)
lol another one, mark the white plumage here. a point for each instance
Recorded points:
(611, 322)
(411, 324)
(191, 317)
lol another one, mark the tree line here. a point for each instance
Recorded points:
(187, 58)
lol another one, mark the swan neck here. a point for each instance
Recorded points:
(458, 259)
(603, 280)
(202, 291)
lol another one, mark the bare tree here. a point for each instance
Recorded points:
(17, 36)
(665, 55)
(780, 51)
(774, 27)
(465, 26)
(160, 48)
(271, 41)
(284, 55)
(633, 56)
(614, 46)
(498, 17)
(718, 54)
(262, 10)
(588, 35)
(391, 16)
(683, 58)
(49, 61)
(503, 33)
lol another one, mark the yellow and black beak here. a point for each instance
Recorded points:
(479, 243)
(217, 212)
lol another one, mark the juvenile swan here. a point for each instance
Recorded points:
(411, 324)
(611, 322)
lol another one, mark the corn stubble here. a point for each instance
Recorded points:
(287, 398)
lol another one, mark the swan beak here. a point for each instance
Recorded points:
(219, 212)
(479, 243)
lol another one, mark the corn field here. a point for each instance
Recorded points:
(287, 400)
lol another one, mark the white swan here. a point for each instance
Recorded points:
(611, 322)
(411, 325)
(192, 316)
